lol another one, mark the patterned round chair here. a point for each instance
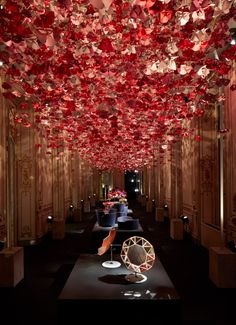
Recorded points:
(127, 223)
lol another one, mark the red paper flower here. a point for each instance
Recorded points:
(165, 16)
(114, 80)
(106, 45)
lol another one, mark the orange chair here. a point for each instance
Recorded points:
(107, 241)
(106, 244)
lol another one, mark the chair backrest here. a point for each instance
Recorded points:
(107, 241)
(108, 220)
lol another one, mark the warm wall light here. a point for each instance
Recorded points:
(71, 206)
(50, 219)
(184, 218)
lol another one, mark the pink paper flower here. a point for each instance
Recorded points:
(111, 80)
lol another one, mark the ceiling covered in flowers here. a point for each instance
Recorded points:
(115, 80)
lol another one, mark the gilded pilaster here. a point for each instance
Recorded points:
(230, 158)
(3, 166)
(43, 188)
(209, 167)
(26, 195)
(58, 188)
(176, 182)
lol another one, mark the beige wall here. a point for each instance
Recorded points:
(39, 184)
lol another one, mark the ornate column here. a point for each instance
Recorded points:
(11, 181)
(67, 181)
(79, 180)
(222, 260)
(8, 218)
(166, 178)
(209, 178)
(230, 158)
(58, 187)
(58, 197)
(26, 195)
(190, 180)
(11, 257)
(3, 168)
(76, 186)
(159, 190)
(75, 179)
(44, 204)
(84, 191)
(176, 182)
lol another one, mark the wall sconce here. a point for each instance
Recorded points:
(146, 197)
(49, 219)
(94, 195)
(89, 197)
(165, 207)
(71, 207)
(184, 219)
(153, 202)
(82, 202)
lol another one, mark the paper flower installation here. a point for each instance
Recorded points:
(117, 193)
(116, 81)
(138, 256)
